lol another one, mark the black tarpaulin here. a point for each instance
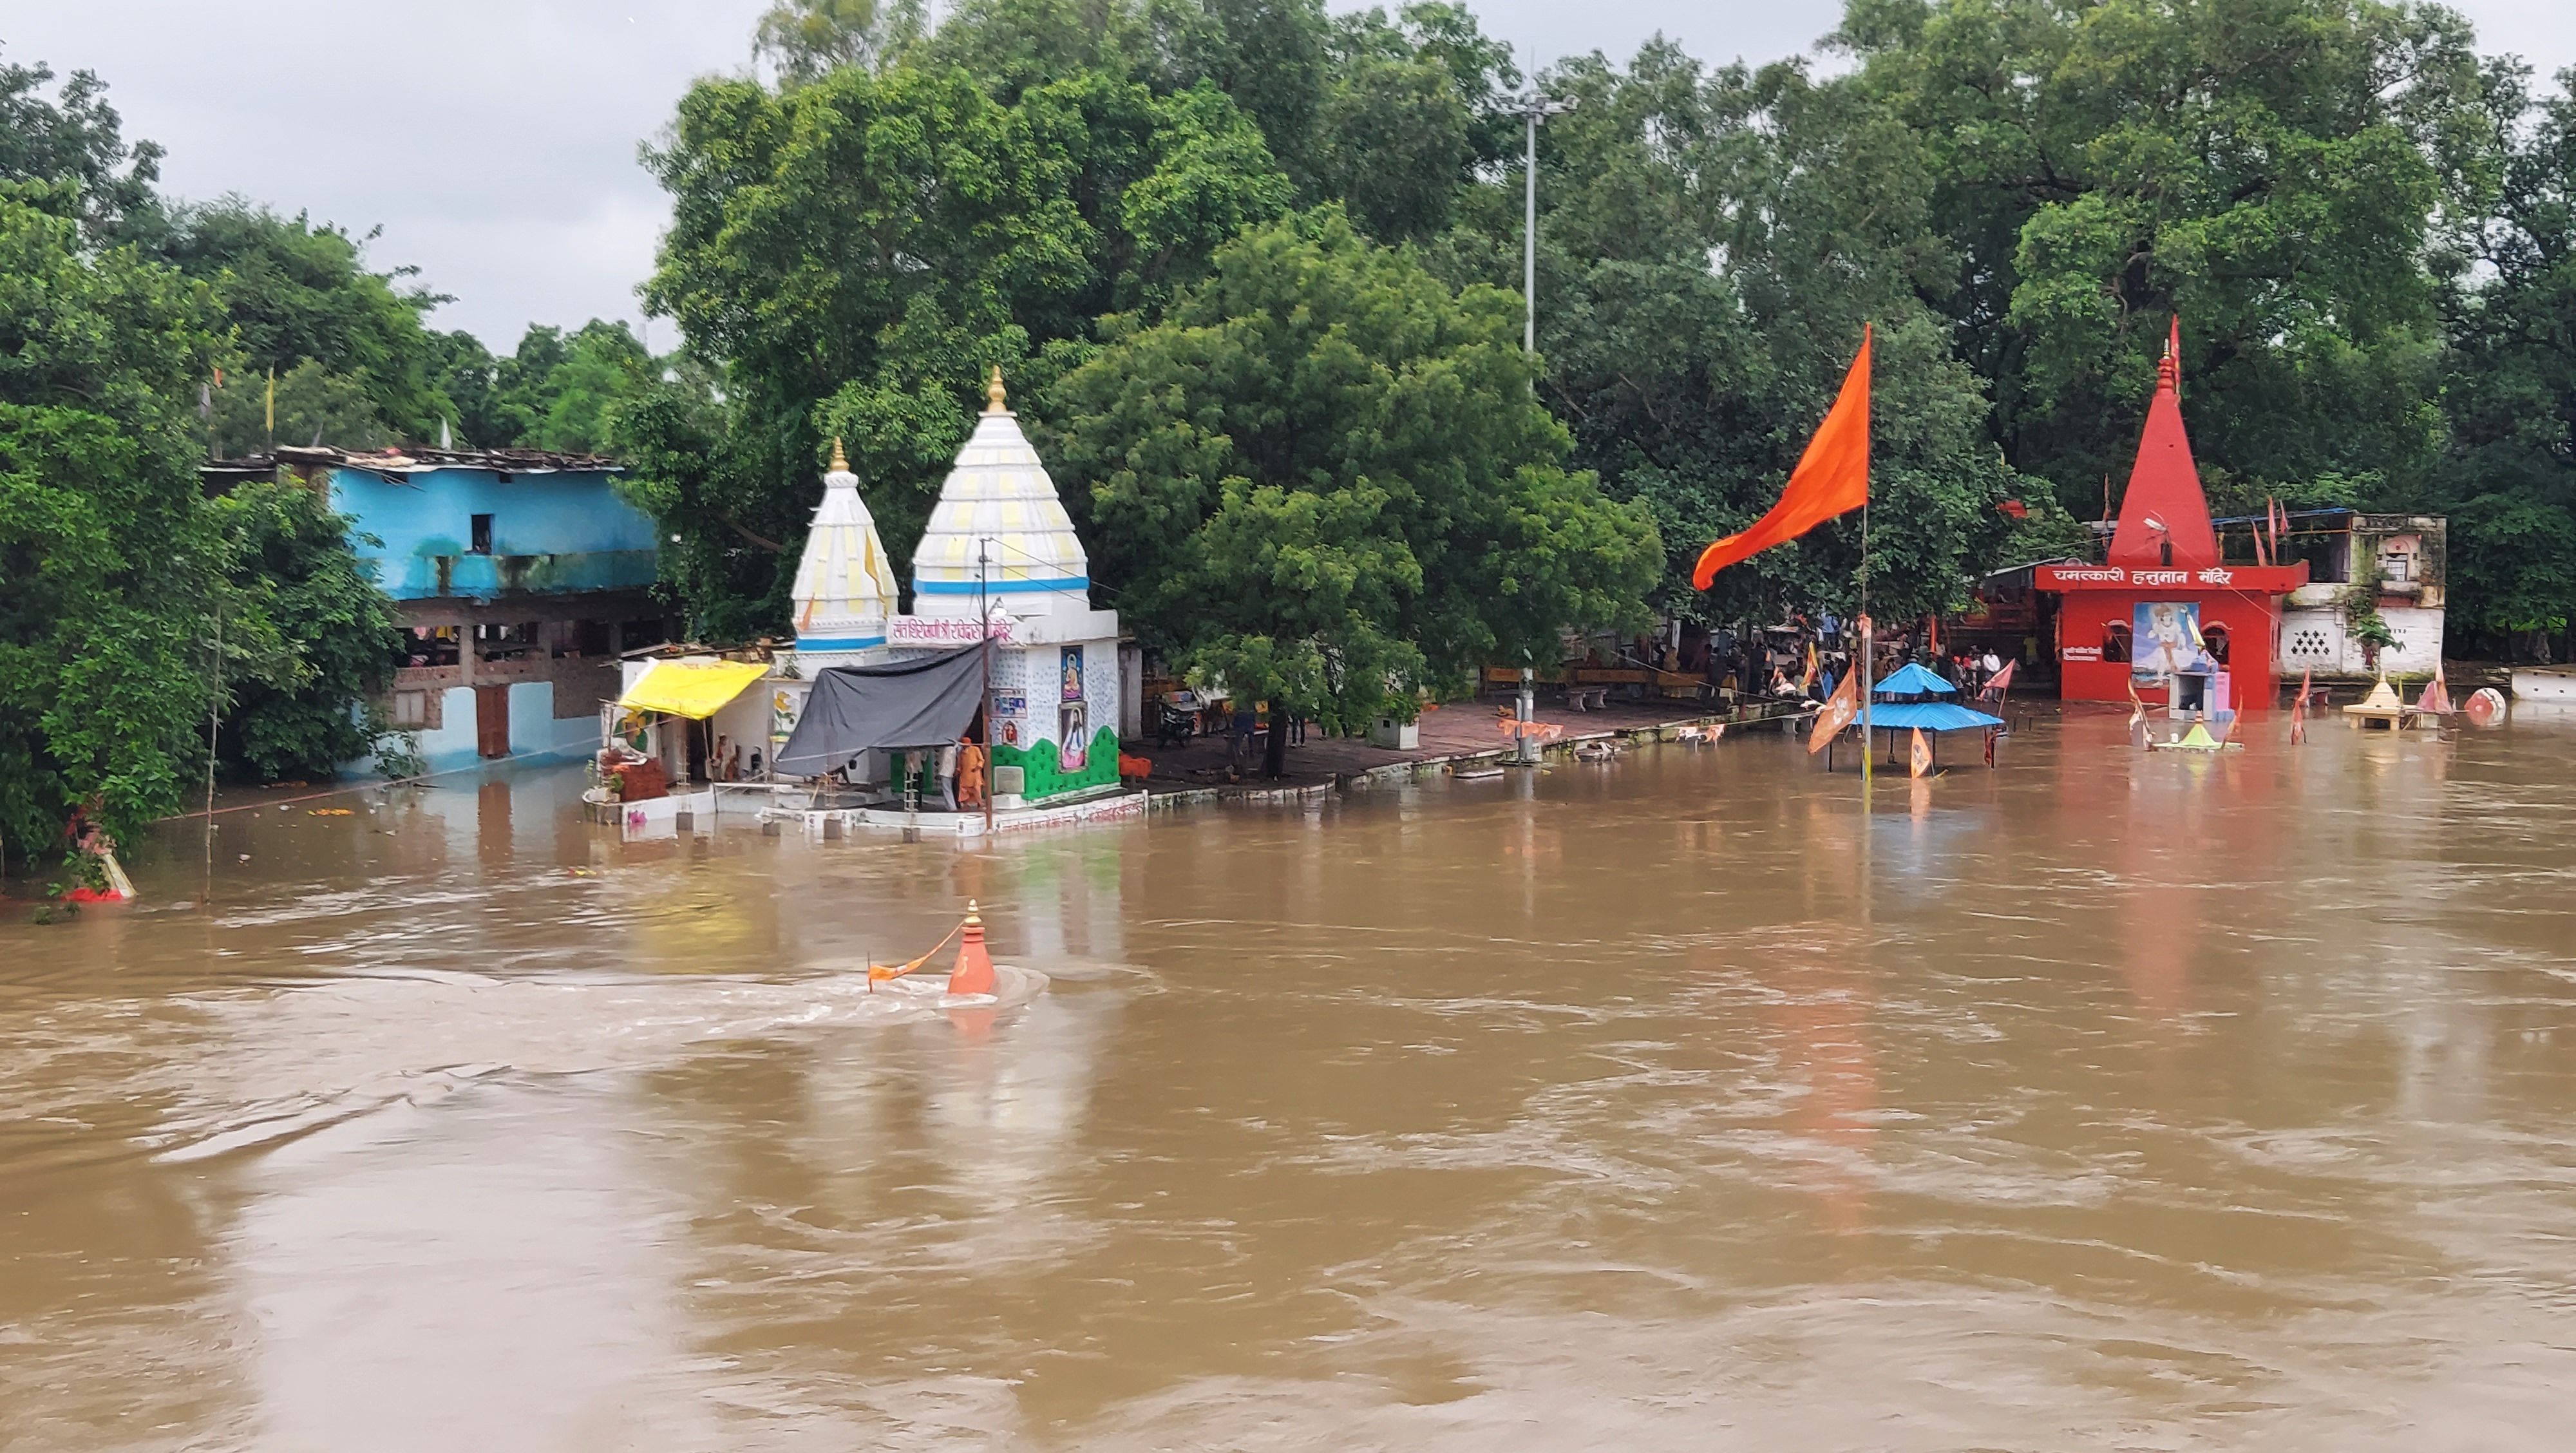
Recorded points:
(902, 707)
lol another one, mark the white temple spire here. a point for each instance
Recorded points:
(999, 528)
(845, 586)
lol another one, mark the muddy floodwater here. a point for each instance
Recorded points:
(2102, 1100)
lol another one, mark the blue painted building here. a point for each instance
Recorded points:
(520, 576)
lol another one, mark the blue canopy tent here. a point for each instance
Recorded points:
(1903, 702)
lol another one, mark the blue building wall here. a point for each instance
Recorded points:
(564, 531)
(534, 731)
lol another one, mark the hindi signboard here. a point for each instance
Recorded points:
(946, 630)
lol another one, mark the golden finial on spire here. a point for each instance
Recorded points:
(993, 393)
(840, 461)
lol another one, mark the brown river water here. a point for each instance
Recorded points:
(2102, 1100)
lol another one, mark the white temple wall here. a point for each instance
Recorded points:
(2314, 638)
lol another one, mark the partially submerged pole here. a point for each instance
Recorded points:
(214, 719)
(1525, 750)
(1868, 648)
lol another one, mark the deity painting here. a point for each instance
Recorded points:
(2165, 641)
(1073, 673)
(1073, 742)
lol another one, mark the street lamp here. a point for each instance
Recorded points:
(1532, 111)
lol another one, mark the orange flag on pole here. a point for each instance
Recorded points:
(1922, 754)
(1832, 478)
(1841, 710)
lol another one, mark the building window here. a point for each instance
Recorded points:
(2213, 641)
(411, 709)
(482, 544)
(2115, 642)
(2398, 566)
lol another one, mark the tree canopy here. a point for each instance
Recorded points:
(1323, 478)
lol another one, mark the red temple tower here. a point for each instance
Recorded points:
(2165, 612)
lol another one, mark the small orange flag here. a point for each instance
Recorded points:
(1832, 478)
(1922, 754)
(1839, 711)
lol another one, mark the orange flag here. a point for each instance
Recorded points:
(1922, 754)
(1839, 711)
(1832, 478)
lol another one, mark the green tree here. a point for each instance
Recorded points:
(77, 138)
(313, 407)
(808, 39)
(2509, 479)
(1711, 245)
(338, 633)
(110, 568)
(2278, 172)
(854, 253)
(1322, 476)
(1412, 108)
(296, 292)
(463, 371)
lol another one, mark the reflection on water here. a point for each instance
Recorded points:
(2104, 1099)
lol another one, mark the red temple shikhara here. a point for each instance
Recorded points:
(2165, 612)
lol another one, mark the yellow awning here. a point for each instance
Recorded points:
(696, 689)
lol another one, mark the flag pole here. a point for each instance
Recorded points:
(1868, 651)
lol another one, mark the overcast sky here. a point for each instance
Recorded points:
(494, 140)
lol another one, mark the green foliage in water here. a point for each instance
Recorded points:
(111, 565)
(336, 632)
(1323, 478)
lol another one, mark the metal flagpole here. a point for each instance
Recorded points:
(1868, 650)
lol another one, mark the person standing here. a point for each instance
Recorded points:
(948, 777)
(1247, 722)
(970, 773)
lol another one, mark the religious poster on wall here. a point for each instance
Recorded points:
(1073, 673)
(1073, 745)
(784, 707)
(2165, 641)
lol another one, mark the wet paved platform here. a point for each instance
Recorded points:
(1449, 734)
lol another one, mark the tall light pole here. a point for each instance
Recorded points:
(1533, 110)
